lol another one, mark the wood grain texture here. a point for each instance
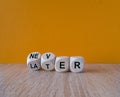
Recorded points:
(98, 80)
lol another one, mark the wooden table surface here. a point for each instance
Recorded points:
(98, 80)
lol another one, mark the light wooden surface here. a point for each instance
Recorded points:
(98, 80)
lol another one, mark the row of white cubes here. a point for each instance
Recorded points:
(48, 61)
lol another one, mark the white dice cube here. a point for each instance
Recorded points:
(62, 64)
(48, 61)
(33, 60)
(76, 64)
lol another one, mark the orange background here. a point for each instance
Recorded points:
(90, 28)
